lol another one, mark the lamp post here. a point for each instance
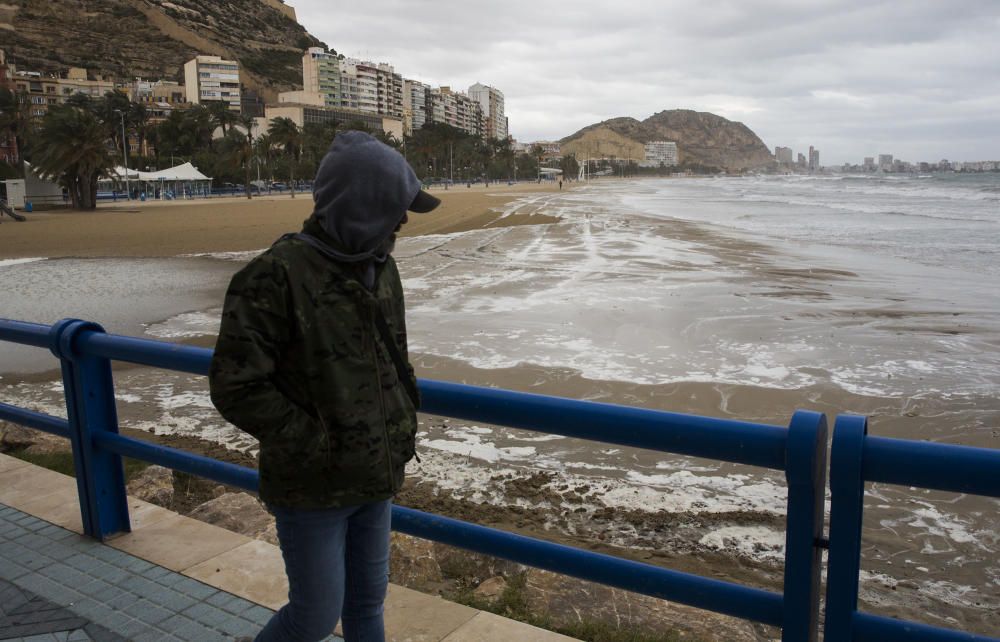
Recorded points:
(128, 190)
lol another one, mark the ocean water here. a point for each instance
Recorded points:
(734, 297)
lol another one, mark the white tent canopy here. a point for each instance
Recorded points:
(182, 181)
(183, 172)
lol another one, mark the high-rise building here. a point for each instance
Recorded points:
(783, 155)
(869, 164)
(208, 78)
(802, 163)
(390, 92)
(660, 153)
(885, 162)
(416, 100)
(321, 74)
(490, 102)
(813, 159)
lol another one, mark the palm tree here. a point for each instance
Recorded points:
(284, 132)
(72, 146)
(222, 115)
(246, 153)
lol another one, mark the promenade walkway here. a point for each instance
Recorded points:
(171, 578)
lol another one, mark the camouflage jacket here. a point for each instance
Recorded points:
(301, 366)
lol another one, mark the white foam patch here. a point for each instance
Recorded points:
(755, 542)
(8, 262)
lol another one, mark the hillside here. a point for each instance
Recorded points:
(701, 137)
(154, 38)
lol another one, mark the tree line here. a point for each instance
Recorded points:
(81, 141)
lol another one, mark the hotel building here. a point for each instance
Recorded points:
(321, 74)
(660, 152)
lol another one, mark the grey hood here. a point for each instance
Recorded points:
(361, 192)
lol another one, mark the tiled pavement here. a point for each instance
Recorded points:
(171, 578)
(57, 585)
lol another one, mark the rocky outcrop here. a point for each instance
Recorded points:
(238, 512)
(33, 442)
(125, 39)
(155, 485)
(702, 138)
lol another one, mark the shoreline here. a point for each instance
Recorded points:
(164, 229)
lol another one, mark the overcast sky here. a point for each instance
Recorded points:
(919, 79)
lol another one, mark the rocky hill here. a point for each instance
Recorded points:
(154, 38)
(701, 137)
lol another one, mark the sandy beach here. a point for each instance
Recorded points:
(171, 228)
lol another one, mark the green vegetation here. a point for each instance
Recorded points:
(62, 462)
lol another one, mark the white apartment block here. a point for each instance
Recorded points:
(370, 87)
(321, 75)
(784, 155)
(208, 78)
(416, 100)
(456, 109)
(491, 103)
(660, 152)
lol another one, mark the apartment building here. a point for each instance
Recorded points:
(304, 113)
(783, 155)
(416, 100)
(210, 78)
(321, 74)
(661, 152)
(813, 158)
(390, 92)
(490, 102)
(456, 109)
(8, 145)
(45, 91)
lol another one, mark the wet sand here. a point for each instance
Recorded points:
(171, 228)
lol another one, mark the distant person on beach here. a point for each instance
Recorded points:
(312, 361)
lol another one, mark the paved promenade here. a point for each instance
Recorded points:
(171, 578)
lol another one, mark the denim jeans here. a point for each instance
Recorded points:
(337, 562)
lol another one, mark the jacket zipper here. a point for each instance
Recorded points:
(381, 399)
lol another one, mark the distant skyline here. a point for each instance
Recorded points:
(854, 78)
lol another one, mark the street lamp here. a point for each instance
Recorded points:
(128, 190)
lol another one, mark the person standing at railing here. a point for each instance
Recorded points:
(311, 360)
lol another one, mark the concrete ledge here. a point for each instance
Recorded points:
(251, 569)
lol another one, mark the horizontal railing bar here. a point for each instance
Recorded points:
(725, 439)
(714, 595)
(160, 354)
(37, 420)
(31, 334)
(724, 597)
(961, 469)
(220, 471)
(729, 440)
(875, 628)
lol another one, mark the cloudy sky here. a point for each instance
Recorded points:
(916, 78)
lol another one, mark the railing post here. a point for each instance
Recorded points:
(805, 472)
(90, 407)
(847, 491)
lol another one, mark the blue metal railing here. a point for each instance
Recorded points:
(857, 458)
(86, 351)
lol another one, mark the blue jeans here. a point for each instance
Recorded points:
(337, 562)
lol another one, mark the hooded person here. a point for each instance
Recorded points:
(311, 360)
